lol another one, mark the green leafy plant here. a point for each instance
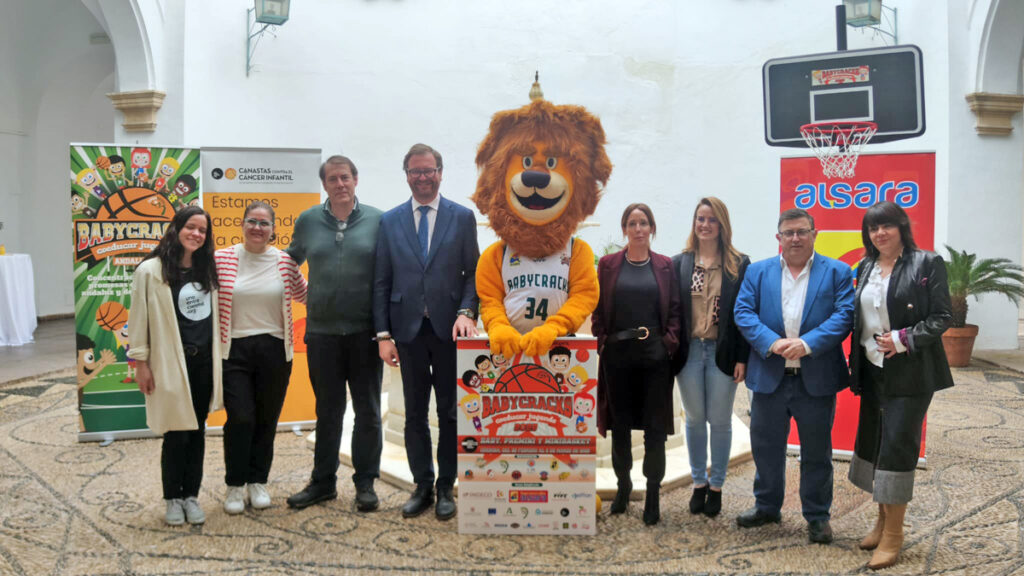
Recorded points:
(969, 276)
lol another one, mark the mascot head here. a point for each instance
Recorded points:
(542, 168)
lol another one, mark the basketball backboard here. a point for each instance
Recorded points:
(880, 85)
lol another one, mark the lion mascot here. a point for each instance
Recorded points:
(542, 168)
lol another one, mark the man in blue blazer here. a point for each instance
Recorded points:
(795, 310)
(424, 297)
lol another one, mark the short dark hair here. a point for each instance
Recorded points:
(338, 159)
(886, 213)
(795, 214)
(480, 359)
(115, 159)
(559, 351)
(643, 208)
(467, 376)
(83, 342)
(418, 149)
(188, 180)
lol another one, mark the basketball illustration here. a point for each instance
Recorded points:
(111, 316)
(526, 378)
(135, 203)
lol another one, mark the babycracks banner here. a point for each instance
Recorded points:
(838, 207)
(288, 180)
(527, 439)
(122, 199)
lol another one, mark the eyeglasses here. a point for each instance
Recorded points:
(790, 234)
(260, 223)
(423, 172)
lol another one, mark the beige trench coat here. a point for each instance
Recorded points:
(153, 337)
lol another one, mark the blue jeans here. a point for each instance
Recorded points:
(708, 394)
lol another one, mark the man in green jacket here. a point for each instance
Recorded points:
(339, 240)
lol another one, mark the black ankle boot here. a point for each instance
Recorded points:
(621, 501)
(714, 504)
(697, 499)
(652, 506)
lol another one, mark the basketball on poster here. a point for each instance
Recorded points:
(527, 439)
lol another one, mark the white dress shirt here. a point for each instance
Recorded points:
(794, 294)
(431, 215)
(874, 316)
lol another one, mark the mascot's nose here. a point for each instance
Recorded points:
(535, 179)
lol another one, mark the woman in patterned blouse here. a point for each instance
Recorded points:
(712, 353)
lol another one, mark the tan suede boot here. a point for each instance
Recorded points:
(888, 550)
(870, 542)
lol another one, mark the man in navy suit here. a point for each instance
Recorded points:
(424, 298)
(795, 310)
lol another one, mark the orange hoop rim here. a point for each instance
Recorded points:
(845, 127)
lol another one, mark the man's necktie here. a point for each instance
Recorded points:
(424, 232)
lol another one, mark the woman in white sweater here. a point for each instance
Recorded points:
(176, 345)
(258, 284)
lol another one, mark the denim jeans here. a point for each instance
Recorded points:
(708, 395)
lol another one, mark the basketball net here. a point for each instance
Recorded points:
(837, 144)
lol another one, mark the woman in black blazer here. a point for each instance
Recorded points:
(897, 362)
(712, 357)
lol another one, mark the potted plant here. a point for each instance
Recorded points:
(969, 276)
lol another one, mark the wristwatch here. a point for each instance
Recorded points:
(467, 312)
(383, 337)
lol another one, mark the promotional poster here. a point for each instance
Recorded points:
(527, 439)
(122, 199)
(288, 180)
(838, 207)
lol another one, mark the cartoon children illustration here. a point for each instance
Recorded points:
(471, 378)
(88, 178)
(559, 358)
(583, 406)
(185, 185)
(576, 378)
(472, 408)
(500, 363)
(484, 367)
(141, 157)
(164, 171)
(121, 336)
(79, 207)
(88, 366)
(116, 171)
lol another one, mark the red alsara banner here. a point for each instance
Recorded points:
(838, 207)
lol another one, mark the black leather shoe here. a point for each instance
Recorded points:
(714, 503)
(418, 503)
(445, 508)
(652, 507)
(621, 501)
(819, 531)
(755, 517)
(697, 499)
(366, 499)
(312, 494)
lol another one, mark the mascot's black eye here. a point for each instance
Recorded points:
(527, 162)
(552, 162)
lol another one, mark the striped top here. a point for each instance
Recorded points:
(227, 273)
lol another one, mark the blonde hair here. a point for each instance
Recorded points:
(731, 257)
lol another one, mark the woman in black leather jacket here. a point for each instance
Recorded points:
(897, 362)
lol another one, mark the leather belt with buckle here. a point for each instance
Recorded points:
(641, 333)
(791, 371)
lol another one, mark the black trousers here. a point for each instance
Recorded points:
(333, 361)
(181, 457)
(256, 377)
(654, 456)
(428, 363)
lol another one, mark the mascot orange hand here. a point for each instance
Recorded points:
(504, 340)
(538, 341)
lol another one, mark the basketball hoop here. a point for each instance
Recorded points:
(837, 144)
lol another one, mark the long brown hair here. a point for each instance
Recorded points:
(170, 250)
(731, 257)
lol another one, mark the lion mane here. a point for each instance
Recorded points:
(577, 135)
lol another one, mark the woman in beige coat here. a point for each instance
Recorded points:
(175, 341)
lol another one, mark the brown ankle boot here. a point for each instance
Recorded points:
(888, 550)
(870, 542)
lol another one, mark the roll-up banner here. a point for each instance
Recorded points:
(122, 199)
(527, 439)
(288, 180)
(838, 207)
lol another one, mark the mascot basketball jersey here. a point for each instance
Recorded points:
(534, 287)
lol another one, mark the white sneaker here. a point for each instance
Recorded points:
(234, 501)
(258, 496)
(175, 515)
(193, 511)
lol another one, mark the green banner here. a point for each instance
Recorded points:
(122, 199)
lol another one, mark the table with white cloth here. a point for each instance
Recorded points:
(17, 300)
